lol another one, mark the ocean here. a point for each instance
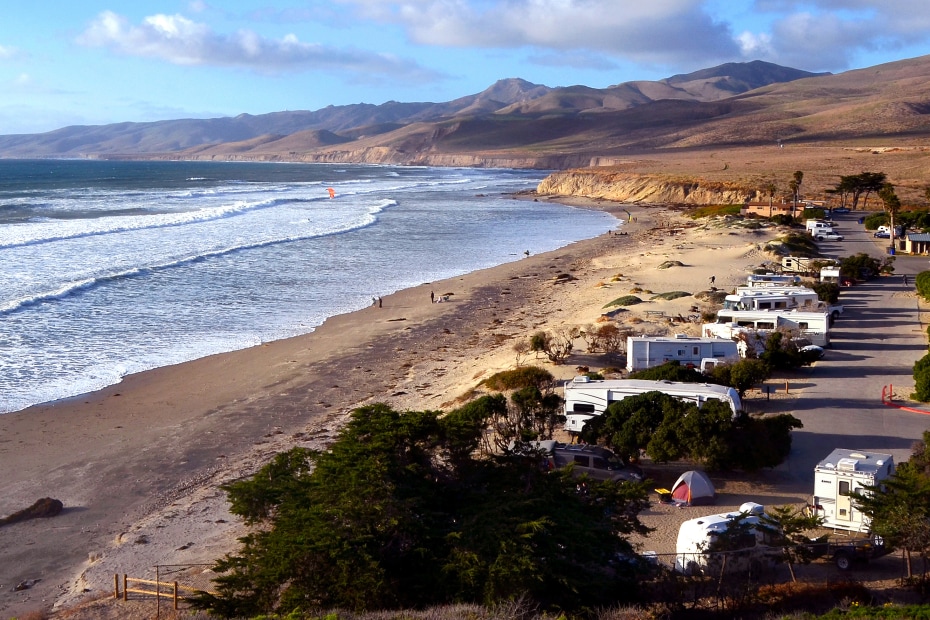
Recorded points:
(115, 267)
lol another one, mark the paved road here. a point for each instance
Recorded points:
(875, 343)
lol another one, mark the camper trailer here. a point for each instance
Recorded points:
(844, 472)
(804, 264)
(772, 279)
(814, 326)
(647, 351)
(695, 537)
(586, 398)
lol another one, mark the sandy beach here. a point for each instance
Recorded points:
(137, 464)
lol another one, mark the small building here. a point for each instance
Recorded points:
(917, 243)
(764, 209)
(844, 472)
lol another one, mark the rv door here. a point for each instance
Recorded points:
(843, 503)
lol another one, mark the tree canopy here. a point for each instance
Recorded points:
(406, 510)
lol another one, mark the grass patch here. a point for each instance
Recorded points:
(670, 263)
(714, 210)
(626, 300)
(793, 244)
(671, 295)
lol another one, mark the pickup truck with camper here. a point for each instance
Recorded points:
(815, 227)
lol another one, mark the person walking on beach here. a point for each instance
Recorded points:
(379, 302)
(712, 280)
(432, 296)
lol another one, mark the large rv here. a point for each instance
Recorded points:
(815, 326)
(647, 351)
(838, 475)
(772, 279)
(586, 398)
(779, 298)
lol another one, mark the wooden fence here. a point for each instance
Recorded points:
(157, 589)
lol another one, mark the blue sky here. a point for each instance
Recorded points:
(66, 62)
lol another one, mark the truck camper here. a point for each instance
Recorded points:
(586, 398)
(843, 472)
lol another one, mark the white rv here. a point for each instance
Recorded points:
(838, 475)
(772, 298)
(696, 536)
(830, 274)
(647, 351)
(804, 264)
(779, 298)
(772, 279)
(586, 398)
(815, 326)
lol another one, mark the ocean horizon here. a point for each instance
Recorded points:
(116, 267)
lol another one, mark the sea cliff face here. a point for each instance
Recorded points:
(644, 188)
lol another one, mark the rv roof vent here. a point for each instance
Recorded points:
(582, 379)
(879, 462)
(857, 455)
(681, 335)
(847, 464)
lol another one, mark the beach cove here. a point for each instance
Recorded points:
(138, 464)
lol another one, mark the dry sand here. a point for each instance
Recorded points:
(137, 464)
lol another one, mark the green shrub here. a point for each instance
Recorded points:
(922, 283)
(671, 295)
(626, 300)
(518, 378)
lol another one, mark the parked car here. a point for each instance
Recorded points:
(811, 353)
(597, 462)
(841, 210)
(829, 237)
(882, 235)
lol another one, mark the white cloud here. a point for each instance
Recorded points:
(7, 52)
(829, 34)
(653, 31)
(179, 40)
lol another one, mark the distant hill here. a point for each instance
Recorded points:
(518, 123)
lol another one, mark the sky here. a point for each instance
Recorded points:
(87, 62)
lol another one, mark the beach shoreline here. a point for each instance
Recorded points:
(138, 464)
(117, 456)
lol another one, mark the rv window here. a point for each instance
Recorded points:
(765, 305)
(695, 350)
(802, 325)
(581, 459)
(765, 325)
(583, 408)
(844, 487)
(600, 463)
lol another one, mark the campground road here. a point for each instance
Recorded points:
(873, 344)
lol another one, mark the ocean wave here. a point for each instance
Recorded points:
(76, 286)
(38, 232)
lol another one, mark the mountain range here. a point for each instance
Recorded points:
(516, 123)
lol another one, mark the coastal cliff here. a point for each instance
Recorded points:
(644, 188)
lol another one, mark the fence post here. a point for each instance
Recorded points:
(175, 595)
(116, 585)
(125, 587)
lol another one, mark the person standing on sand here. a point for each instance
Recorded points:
(432, 296)
(379, 302)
